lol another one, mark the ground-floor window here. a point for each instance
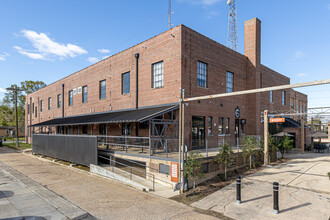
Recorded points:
(198, 132)
(209, 126)
(85, 129)
(227, 125)
(102, 129)
(126, 129)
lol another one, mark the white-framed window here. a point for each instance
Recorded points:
(125, 81)
(158, 75)
(102, 89)
(201, 74)
(229, 82)
(71, 98)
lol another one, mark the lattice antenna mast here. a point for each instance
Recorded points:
(232, 41)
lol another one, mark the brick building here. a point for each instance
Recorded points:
(146, 80)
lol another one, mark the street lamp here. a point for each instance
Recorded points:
(16, 89)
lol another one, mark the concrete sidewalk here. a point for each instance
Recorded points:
(304, 192)
(21, 198)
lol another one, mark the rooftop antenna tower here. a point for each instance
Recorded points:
(232, 41)
(169, 14)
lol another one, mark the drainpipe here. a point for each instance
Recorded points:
(30, 119)
(137, 91)
(62, 100)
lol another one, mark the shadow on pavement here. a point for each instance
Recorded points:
(295, 207)
(250, 200)
(6, 194)
(25, 218)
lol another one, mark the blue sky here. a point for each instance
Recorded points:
(48, 40)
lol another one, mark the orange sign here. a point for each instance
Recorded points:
(174, 172)
(276, 120)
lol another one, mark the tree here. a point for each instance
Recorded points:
(224, 156)
(284, 144)
(272, 146)
(250, 146)
(193, 167)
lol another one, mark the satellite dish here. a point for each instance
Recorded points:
(228, 2)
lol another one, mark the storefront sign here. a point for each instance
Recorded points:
(276, 120)
(174, 172)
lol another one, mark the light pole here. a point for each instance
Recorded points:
(16, 89)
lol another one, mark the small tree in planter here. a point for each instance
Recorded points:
(224, 156)
(250, 145)
(285, 144)
(193, 167)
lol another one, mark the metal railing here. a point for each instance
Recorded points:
(124, 141)
(114, 162)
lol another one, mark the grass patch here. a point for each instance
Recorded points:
(22, 146)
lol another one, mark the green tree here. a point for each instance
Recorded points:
(193, 167)
(272, 145)
(251, 146)
(284, 144)
(224, 156)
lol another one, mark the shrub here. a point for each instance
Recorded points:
(224, 156)
(193, 167)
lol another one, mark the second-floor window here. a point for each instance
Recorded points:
(125, 80)
(70, 98)
(283, 98)
(41, 105)
(297, 108)
(49, 103)
(157, 75)
(84, 94)
(202, 74)
(102, 89)
(59, 101)
(271, 96)
(36, 112)
(229, 82)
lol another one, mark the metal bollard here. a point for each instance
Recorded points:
(238, 190)
(275, 189)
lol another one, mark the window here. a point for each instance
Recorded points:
(220, 126)
(49, 103)
(36, 112)
(28, 108)
(230, 82)
(271, 96)
(70, 98)
(283, 98)
(292, 105)
(102, 129)
(157, 75)
(32, 108)
(227, 126)
(85, 129)
(84, 94)
(41, 105)
(209, 126)
(125, 83)
(301, 109)
(102, 89)
(126, 129)
(202, 74)
(297, 108)
(59, 101)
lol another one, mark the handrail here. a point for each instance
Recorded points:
(131, 161)
(153, 176)
(128, 137)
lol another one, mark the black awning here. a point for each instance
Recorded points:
(121, 116)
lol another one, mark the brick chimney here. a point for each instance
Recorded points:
(252, 40)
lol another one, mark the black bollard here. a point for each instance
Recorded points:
(275, 189)
(238, 190)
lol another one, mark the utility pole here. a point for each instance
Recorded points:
(266, 143)
(16, 89)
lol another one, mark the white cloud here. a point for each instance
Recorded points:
(93, 59)
(212, 14)
(3, 56)
(103, 50)
(300, 54)
(46, 48)
(301, 74)
(202, 2)
(2, 90)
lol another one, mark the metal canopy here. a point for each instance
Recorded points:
(122, 116)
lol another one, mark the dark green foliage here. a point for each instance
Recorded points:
(193, 167)
(224, 156)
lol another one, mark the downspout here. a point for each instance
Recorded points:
(62, 100)
(30, 109)
(137, 91)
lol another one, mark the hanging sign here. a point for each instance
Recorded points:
(276, 120)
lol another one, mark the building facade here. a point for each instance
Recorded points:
(151, 74)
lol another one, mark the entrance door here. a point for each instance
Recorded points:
(198, 132)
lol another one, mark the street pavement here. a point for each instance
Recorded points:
(304, 191)
(101, 197)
